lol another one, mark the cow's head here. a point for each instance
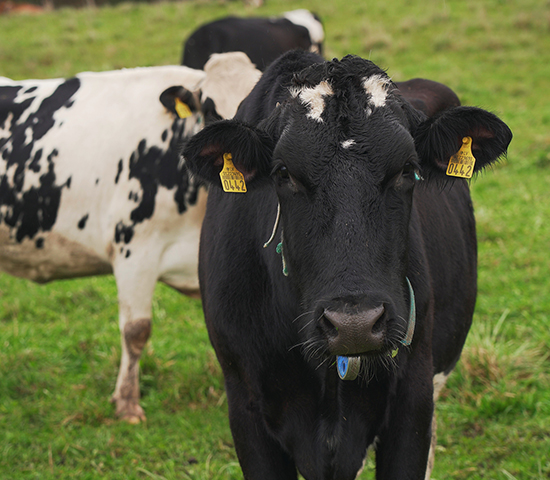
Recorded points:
(229, 78)
(344, 153)
(183, 103)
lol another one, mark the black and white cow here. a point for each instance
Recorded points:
(341, 332)
(262, 39)
(91, 182)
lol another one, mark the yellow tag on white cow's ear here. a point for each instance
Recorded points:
(232, 179)
(462, 162)
(182, 109)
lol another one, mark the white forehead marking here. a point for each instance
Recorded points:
(347, 143)
(377, 87)
(313, 97)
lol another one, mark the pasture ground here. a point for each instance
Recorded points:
(59, 343)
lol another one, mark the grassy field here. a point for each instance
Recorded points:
(59, 343)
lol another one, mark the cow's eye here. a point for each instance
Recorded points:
(411, 170)
(409, 173)
(282, 173)
(284, 179)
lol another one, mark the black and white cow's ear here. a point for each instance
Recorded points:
(250, 152)
(209, 111)
(180, 101)
(451, 133)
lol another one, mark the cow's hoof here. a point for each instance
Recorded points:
(129, 411)
(133, 419)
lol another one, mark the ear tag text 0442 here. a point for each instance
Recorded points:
(232, 179)
(462, 162)
(182, 109)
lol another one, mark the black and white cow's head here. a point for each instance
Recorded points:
(183, 102)
(344, 153)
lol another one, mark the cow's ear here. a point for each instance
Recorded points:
(180, 101)
(209, 111)
(250, 148)
(442, 136)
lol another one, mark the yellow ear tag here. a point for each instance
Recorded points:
(462, 162)
(232, 179)
(182, 109)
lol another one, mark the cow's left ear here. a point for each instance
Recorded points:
(440, 137)
(249, 148)
(180, 101)
(209, 111)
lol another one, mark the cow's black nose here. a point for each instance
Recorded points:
(356, 333)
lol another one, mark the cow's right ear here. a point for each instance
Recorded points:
(251, 150)
(180, 101)
(440, 138)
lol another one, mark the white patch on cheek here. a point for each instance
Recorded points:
(313, 97)
(377, 87)
(347, 143)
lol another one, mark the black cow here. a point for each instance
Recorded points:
(376, 266)
(262, 39)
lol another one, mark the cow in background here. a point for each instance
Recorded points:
(262, 39)
(338, 265)
(91, 182)
(9, 7)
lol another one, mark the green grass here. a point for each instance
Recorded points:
(59, 343)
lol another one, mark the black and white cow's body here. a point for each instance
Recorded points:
(336, 146)
(262, 39)
(91, 182)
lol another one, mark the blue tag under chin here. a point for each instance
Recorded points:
(348, 367)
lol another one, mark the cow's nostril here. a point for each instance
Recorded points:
(327, 326)
(379, 323)
(366, 320)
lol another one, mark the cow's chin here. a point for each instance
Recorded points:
(373, 365)
(373, 362)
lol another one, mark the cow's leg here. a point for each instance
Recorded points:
(431, 456)
(135, 293)
(439, 382)
(406, 439)
(260, 456)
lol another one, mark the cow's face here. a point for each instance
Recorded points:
(344, 153)
(344, 171)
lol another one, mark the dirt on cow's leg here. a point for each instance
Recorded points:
(126, 397)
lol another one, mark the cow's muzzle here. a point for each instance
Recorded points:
(357, 333)
(348, 367)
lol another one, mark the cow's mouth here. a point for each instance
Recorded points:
(349, 367)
